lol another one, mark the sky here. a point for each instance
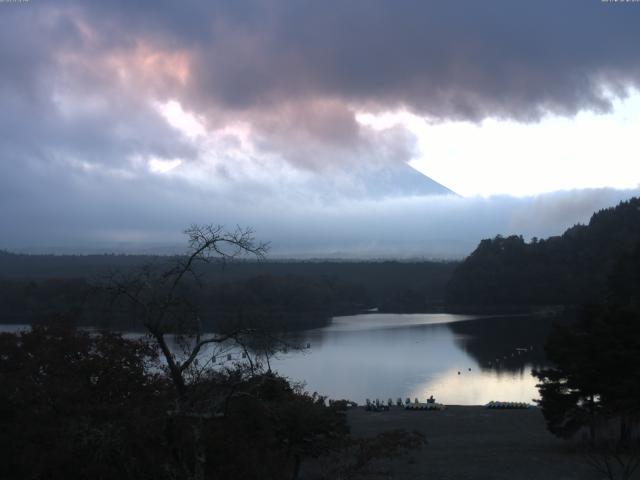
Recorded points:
(334, 129)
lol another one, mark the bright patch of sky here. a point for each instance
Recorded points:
(157, 165)
(177, 117)
(496, 157)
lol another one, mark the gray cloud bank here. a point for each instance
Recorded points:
(278, 83)
(102, 213)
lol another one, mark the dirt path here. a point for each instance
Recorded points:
(477, 443)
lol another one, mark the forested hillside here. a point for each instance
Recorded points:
(296, 293)
(569, 269)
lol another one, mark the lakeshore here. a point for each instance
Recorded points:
(472, 442)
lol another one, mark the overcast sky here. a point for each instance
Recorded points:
(123, 122)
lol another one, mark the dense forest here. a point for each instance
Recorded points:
(295, 294)
(570, 269)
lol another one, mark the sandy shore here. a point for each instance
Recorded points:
(476, 443)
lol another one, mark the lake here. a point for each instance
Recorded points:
(459, 359)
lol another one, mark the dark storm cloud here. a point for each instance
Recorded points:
(464, 59)
(297, 71)
(324, 134)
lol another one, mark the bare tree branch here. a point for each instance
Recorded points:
(155, 291)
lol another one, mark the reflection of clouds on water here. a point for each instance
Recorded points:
(389, 356)
(379, 362)
(478, 387)
(371, 321)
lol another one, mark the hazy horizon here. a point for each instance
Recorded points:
(454, 229)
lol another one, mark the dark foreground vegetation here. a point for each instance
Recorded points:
(592, 389)
(98, 406)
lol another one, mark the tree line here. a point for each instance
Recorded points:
(298, 302)
(300, 294)
(569, 269)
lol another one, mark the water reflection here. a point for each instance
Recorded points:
(448, 356)
(459, 359)
(509, 344)
(372, 321)
(480, 387)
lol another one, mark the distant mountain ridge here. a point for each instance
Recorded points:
(569, 269)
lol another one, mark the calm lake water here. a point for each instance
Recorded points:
(459, 359)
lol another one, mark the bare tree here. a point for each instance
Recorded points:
(161, 300)
(158, 297)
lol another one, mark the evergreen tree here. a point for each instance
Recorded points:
(595, 377)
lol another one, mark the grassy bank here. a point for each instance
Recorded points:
(476, 443)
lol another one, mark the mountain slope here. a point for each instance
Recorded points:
(400, 180)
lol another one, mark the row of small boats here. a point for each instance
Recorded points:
(508, 405)
(378, 406)
(424, 406)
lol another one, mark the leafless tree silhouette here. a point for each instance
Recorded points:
(159, 298)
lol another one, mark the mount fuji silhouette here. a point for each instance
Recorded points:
(398, 180)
